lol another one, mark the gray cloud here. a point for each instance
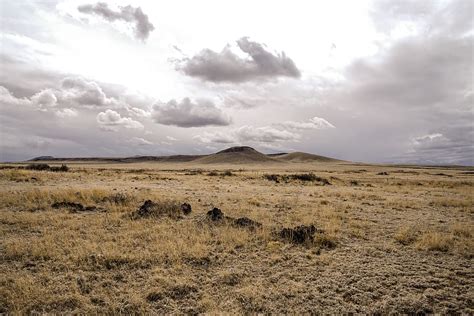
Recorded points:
(129, 14)
(226, 66)
(189, 114)
(415, 86)
(248, 135)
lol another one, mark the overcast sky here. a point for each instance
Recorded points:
(372, 81)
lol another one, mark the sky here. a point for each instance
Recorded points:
(385, 81)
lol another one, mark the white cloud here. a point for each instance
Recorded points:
(140, 141)
(110, 120)
(313, 123)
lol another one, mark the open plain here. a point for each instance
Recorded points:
(386, 239)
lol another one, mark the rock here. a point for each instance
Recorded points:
(215, 214)
(299, 234)
(146, 209)
(186, 208)
(170, 209)
(246, 222)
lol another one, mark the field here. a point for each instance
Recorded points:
(386, 239)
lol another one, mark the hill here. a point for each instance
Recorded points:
(232, 155)
(303, 157)
(236, 155)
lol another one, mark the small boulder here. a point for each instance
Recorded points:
(146, 209)
(186, 208)
(215, 214)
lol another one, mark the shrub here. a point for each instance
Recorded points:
(63, 168)
(38, 166)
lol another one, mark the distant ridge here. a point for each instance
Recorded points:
(303, 157)
(232, 155)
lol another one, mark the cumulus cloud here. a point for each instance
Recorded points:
(45, 98)
(83, 92)
(127, 14)
(110, 120)
(189, 114)
(226, 66)
(312, 123)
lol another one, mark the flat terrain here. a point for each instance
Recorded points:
(388, 239)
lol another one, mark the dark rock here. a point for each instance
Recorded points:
(146, 209)
(215, 214)
(383, 173)
(186, 208)
(299, 234)
(246, 222)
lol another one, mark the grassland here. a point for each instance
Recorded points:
(391, 239)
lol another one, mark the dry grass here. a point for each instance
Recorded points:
(412, 228)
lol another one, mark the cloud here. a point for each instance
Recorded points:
(216, 137)
(226, 66)
(430, 17)
(6, 97)
(425, 139)
(45, 98)
(127, 14)
(312, 123)
(248, 134)
(140, 141)
(83, 92)
(110, 120)
(63, 113)
(189, 114)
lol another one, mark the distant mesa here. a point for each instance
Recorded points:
(236, 155)
(232, 155)
(41, 158)
(237, 149)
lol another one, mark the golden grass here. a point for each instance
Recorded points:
(106, 261)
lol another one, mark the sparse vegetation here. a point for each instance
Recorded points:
(90, 242)
(305, 177)
(46, 167)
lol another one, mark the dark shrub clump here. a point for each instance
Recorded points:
(46, 167)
